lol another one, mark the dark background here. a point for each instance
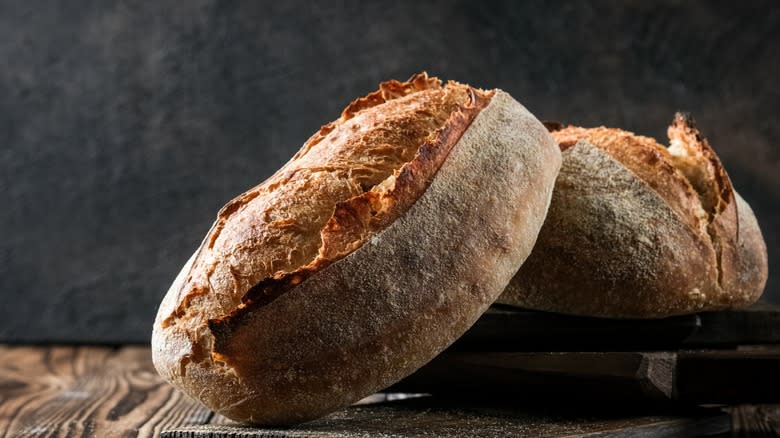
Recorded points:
(124, 126)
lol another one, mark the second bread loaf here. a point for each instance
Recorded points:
(639, 230)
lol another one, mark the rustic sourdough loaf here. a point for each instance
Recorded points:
(638, 230)
(376, 246)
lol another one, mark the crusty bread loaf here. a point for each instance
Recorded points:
(374, 248)
(638, 230)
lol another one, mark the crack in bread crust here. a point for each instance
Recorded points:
(693, 156)
(639, 230)
(357, 219)
(396, 301)
(468, 202)
(332, 164)
(648, 160)
(688, 175)
(349, 180)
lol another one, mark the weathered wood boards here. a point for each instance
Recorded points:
(432, 417)
(694, 377)
(503, 328)
(89, 392)
(101, 391)
(486, 385)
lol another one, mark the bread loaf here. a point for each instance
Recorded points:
(638, 230)
(376, 246)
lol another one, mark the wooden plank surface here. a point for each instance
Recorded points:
(105, 392)
(432, 417)
(503, 328)
(750, 375)
(755, 421)
(573, 376)
(88, 391)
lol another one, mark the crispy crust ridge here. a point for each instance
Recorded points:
(388, 90)
(216, 274)
(357, 219)
(709, 178)
(648, 160)
(392, 304)
(640, 230)
(688, 175)
(693, 156)
(690, 165)
(391, 90)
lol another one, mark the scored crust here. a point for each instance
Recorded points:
(638, 230)
(385, 289)
(349, 180)
(647, 160)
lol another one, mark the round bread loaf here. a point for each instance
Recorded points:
(638, 230)
(383, 239)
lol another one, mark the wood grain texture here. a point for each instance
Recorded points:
(88, 392)
(432, 417)
(64, 391)
(755, 421)
(125, 126)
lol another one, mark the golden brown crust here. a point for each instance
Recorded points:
(646, 159)
(278, 230)
(357, 219)
(693, 156)
(400, 264)
(636, 230)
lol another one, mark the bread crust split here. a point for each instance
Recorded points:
(373, 249)
(639, 230)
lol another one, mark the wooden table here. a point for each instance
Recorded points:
(88, 391)
(77, 391)
(514, 373)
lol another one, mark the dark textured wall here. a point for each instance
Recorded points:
(124, 126)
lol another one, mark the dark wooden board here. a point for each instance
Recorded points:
(758, 324)
(700, 376)
(504, 328)
(749, 375)
(755, 421)
(88, 391)
(528, 377)
(432, 417)
(66, 391)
